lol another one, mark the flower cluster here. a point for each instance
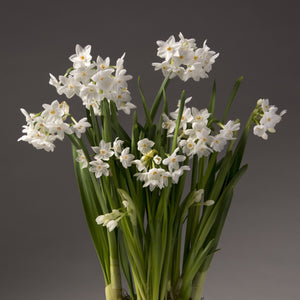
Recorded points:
(184, 59)
(196, 137)
(94, 81)
(152, 169)
(268, 118)
(150, 166)
(44, 128)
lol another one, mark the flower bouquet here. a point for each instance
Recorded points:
(145, 218)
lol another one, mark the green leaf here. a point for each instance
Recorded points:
(158, 98)
(134, 134)
(106, 131)
(239, 151)
(211, 107)
(95, 126)
(125, 264)
(120, 132)
(234, 91)
(181, 107)
(147, 113)
(92, 210)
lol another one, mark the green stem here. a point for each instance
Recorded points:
(115, 276)
(198, 284)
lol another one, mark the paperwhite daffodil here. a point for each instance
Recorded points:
(218, 143)
(80, 127)
(82, 159)
(228, 129)
(104, 151)
(145, 145)
(126, 158)
(82, 56)
(52, 111)
(117, 145)
(69, 86)
(173, 160)
(99, 168)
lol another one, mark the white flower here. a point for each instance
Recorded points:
(198, 131)
(120, 63)
(201, 149)
(99, 168)
(260, 131)
(126, 158)
(166, 67)
(188, 146)
(204, 135)
(117, 145)
(208, 57)
(89, 94)
(43, 143)
(59, 128)
(168, 48)
(183, 56)
(53, 81)
(168, 124)
(218, 143)
(184, 59)
(83, 74)
(185, 118)
(80, 127)
(200, 116)
(125, 203)
(82, 159)
(111, 225)
(187, 43)
(102, 64)
(157, 159)
(29, 117)
(197, 196)
(178, 173)
(228, 129)
(104, 151)
(264, 104)
(82, 56)
(145, 146)
(139, 165)
(156, 178)
(69, 86)
(120, 79)
(52, 111)
(194, 71)
(125, 106)
(270, 119)
(110, 220)
(173, 160)
(103, 79)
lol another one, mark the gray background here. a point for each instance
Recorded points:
(46, 251)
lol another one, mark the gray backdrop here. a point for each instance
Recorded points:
(46, 250)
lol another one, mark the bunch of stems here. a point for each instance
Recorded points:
(165, 246)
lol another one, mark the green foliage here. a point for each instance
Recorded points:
(148, 241)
